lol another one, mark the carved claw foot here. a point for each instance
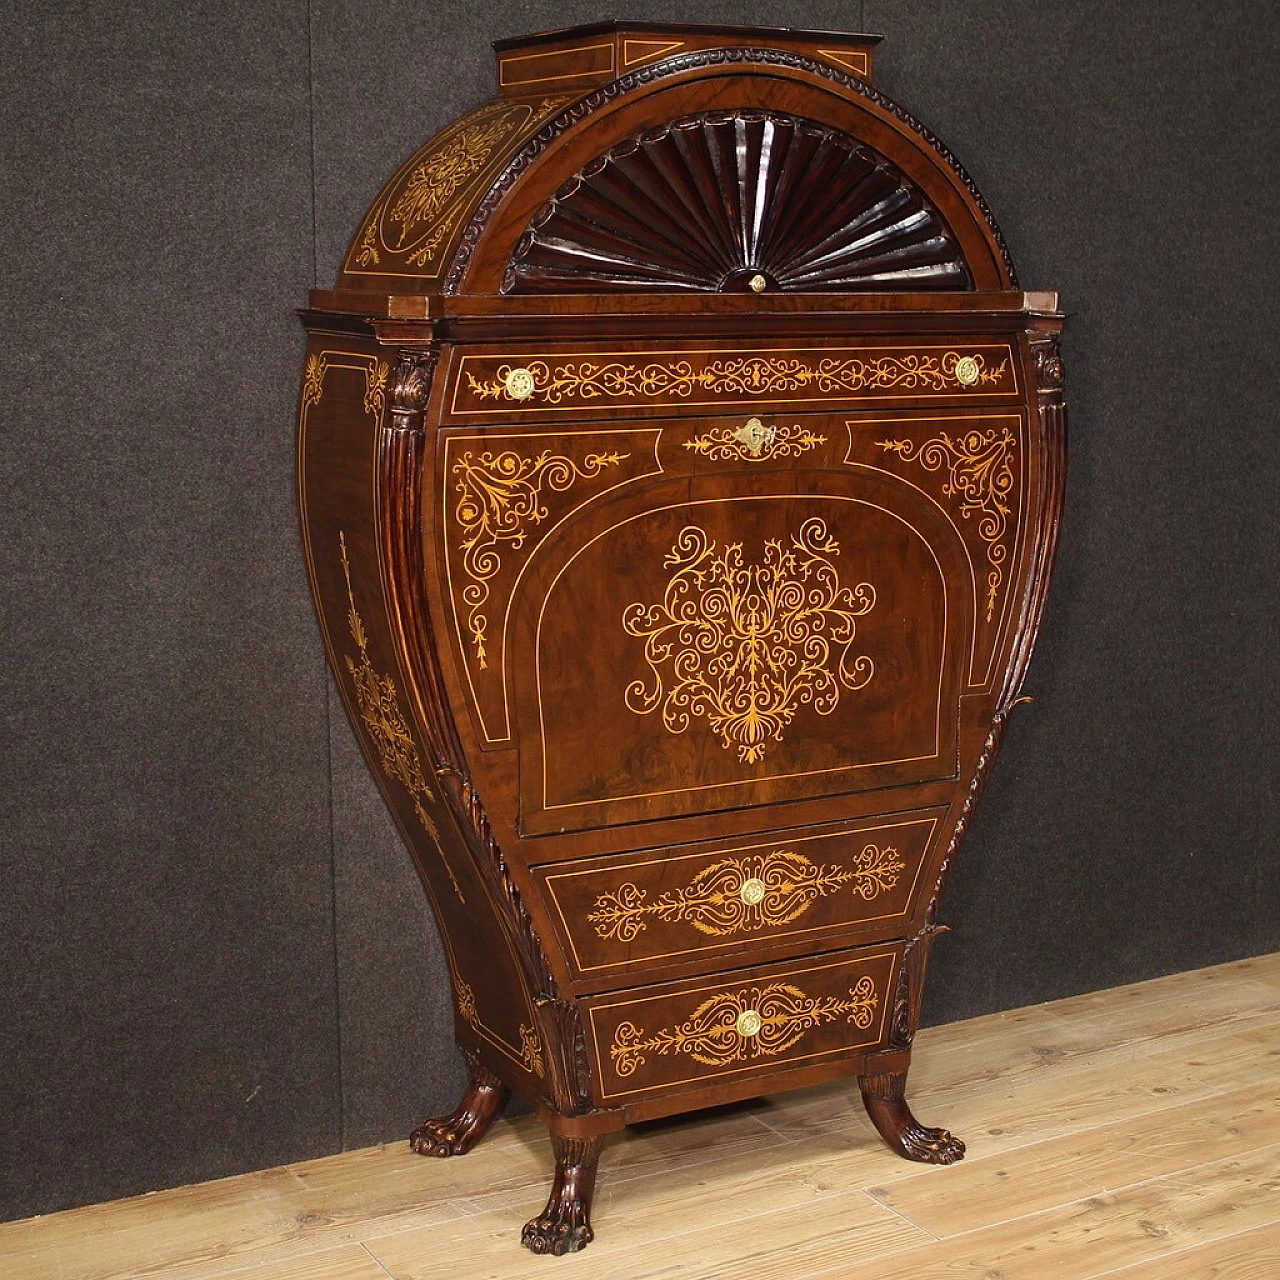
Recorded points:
(930, 1146)
(456, 1134)
(883, 1097)
(564, 1226)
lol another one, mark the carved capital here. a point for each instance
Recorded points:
(1047, 356)
(410, 389)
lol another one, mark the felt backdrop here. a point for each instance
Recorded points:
(215, 954)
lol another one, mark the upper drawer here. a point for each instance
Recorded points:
(522, 381)
(622, 917)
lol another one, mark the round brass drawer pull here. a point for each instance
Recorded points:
(519, 384)
(968, 371)
(749, 1024)
(752, 891)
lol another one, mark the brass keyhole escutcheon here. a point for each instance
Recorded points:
(519, 384)
(758, 284)
(968, 371)
(749, 1024)
(755, 436)
(752, 891)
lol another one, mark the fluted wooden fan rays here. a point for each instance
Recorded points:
(716, 201)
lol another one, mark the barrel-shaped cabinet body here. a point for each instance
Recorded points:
(680, 468)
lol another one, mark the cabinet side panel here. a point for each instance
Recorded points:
(344, 400)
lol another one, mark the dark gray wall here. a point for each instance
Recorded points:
(215, 954)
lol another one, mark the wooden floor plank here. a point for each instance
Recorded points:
(1043, 1175)
(1252, 1255)
(204, 1230)
(684, 1241)
(352, 1262)
(1149, 1221)
(1032, 1095)
(1133, 1134)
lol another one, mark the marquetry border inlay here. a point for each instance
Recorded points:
(499, 498)
(671, 378)
(379, 704)
(978, 466)
(320, 365)
(531, 1051)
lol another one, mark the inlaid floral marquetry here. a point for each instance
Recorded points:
(754, 442)
(737, 1026)
(978, 466)
(744, 895)
(693, 377)
(415, 218)
(499, 498)
(531, 1051)
(375, 371)
(467, 1004)
(743, 645)
(379, 704)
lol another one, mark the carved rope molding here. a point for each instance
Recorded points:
(979, 471)
(737, 1026)
(738, 895)
(744, 646)
(638, 79)
(499, 499)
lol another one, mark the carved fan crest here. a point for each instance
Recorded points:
(711, 201)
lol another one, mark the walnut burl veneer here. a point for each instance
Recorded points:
(680, 471)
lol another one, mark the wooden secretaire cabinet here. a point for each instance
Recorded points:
(680, 470)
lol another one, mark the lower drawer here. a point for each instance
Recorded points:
(741, 1023)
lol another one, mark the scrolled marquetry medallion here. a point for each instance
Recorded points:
(754, 442)
(744, 645)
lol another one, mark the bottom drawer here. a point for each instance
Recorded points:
(749, 1021)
